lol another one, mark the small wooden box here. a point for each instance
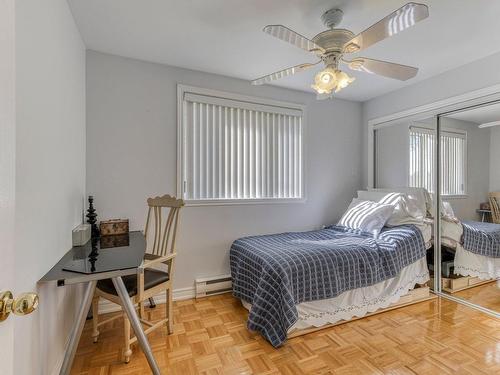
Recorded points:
(113, 227)
(114, 240)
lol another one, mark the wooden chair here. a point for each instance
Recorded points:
(148, 281)
(495, 206)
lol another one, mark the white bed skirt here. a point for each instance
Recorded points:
(361, 301)
(470, 264)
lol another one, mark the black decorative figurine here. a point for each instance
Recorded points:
(92, 218)
(93, 255)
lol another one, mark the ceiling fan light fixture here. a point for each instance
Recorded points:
(330, 79)
(343, 80)
(325, 81)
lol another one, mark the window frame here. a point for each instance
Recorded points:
(181, 118)
(445, 130)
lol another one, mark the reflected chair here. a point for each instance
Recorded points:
(149, 280)
(495, 206)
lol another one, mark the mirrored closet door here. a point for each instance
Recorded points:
(404, 162)
(469, 182)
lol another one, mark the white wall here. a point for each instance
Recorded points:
(50, 172)
(495, 159)
(131, 155)
(392, 156)
(473, 76)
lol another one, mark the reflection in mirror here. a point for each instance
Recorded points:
(403, 167)
(470, 185)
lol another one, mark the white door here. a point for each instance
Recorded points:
(7, 173)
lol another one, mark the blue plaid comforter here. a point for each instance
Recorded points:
(482, 238)
(276, 272)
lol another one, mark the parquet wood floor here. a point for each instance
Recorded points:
(487, 295)
(433, 337)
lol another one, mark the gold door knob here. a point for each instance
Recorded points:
(24, 304)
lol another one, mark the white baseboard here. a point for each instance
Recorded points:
(106, 306)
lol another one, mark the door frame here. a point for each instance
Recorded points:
(7, 172)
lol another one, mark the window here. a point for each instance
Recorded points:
(453, 163)
(453, 160)
(421, 158)
(235, 149)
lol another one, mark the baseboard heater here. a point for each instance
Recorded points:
(210, 286)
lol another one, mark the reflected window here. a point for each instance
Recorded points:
(453, 160)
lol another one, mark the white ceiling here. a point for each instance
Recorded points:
(479, 115)
(225, 37)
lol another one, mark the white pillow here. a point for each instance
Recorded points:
(447, 212)
(447, 209)
(406, 209)
(367, 216)
(420, 195)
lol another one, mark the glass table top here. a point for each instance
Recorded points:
(118, 254)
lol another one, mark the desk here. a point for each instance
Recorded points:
(484, 213)
(96, 262)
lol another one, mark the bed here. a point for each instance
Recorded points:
(477, 248)
(294, 281)
(476, 244)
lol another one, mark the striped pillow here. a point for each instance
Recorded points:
(367, 216)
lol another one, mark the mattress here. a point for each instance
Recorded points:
(361, 301)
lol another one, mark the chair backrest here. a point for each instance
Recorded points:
(161, 240)
(495, 206)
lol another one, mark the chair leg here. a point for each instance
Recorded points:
(127, 352)
(170, 315)
(95, 318)
(141, 310)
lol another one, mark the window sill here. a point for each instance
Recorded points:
(461, 196)
(236, 202)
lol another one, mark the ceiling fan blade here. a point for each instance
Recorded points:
(383, 68)
(489, 124)
(283, 73)
(290, 36)
(399, 20)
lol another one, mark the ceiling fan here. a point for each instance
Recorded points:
(489, 124)
(332, 45)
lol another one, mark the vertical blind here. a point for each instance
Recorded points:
(237, 150)
(421, 158)
(453, 161)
